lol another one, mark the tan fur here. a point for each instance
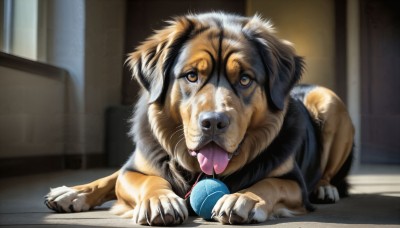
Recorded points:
(137, 192)
(256, 121)
(266, 199)
(168, 122)
(99, 191)
(284, 168)
(337, 130)
(143, 165)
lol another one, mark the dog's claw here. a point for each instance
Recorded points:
(213, 215)
(161, 211)
(230, 217)
(251, 215)
(147, 218)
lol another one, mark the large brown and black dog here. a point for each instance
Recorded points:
(219, 97)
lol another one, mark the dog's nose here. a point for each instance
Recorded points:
(213, 122)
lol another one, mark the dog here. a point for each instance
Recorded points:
(220, 97)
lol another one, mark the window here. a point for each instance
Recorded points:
(21, 34)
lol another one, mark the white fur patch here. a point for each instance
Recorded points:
(150, 211)
(284, 213)
(259, 215)
(328, 192)
(122, 210)
(65, 199)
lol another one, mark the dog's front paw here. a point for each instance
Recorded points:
(240, 208)
(325, 194)
(65, 199)
(162, 208)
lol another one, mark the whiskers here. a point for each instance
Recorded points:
(178, 129)
(179, 135)
(177, 144)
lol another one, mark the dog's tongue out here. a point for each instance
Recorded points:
(212, 157)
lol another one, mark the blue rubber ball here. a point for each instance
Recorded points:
(205, 195)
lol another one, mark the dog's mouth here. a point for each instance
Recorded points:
(212, 158)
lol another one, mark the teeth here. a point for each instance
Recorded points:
(193, 153)
(230, 155)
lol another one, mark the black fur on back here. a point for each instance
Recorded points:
(299, 92)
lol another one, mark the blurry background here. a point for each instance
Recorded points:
(66, 95)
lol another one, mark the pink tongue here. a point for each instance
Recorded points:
(212, 157)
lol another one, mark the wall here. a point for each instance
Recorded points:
(104, 63)
(379, 80)
(64, 118)
(32, 109)
(309, 25)
(66, 45)
(86, 38)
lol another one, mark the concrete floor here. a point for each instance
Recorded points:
(375, 202)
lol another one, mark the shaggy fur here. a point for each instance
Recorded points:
(218, 90)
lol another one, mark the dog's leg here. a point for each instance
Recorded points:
(149, 200)
(268, 198)
(337, 143)
(337, 135)
(82, 197)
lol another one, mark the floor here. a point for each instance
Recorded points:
(374, 202)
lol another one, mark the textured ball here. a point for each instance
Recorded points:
(205, 195)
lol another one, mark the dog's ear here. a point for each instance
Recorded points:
(282, 65)
(152, 60)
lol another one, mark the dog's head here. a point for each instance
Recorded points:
(217, 88)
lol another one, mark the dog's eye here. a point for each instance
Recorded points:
(192, 77)
(245, 81)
